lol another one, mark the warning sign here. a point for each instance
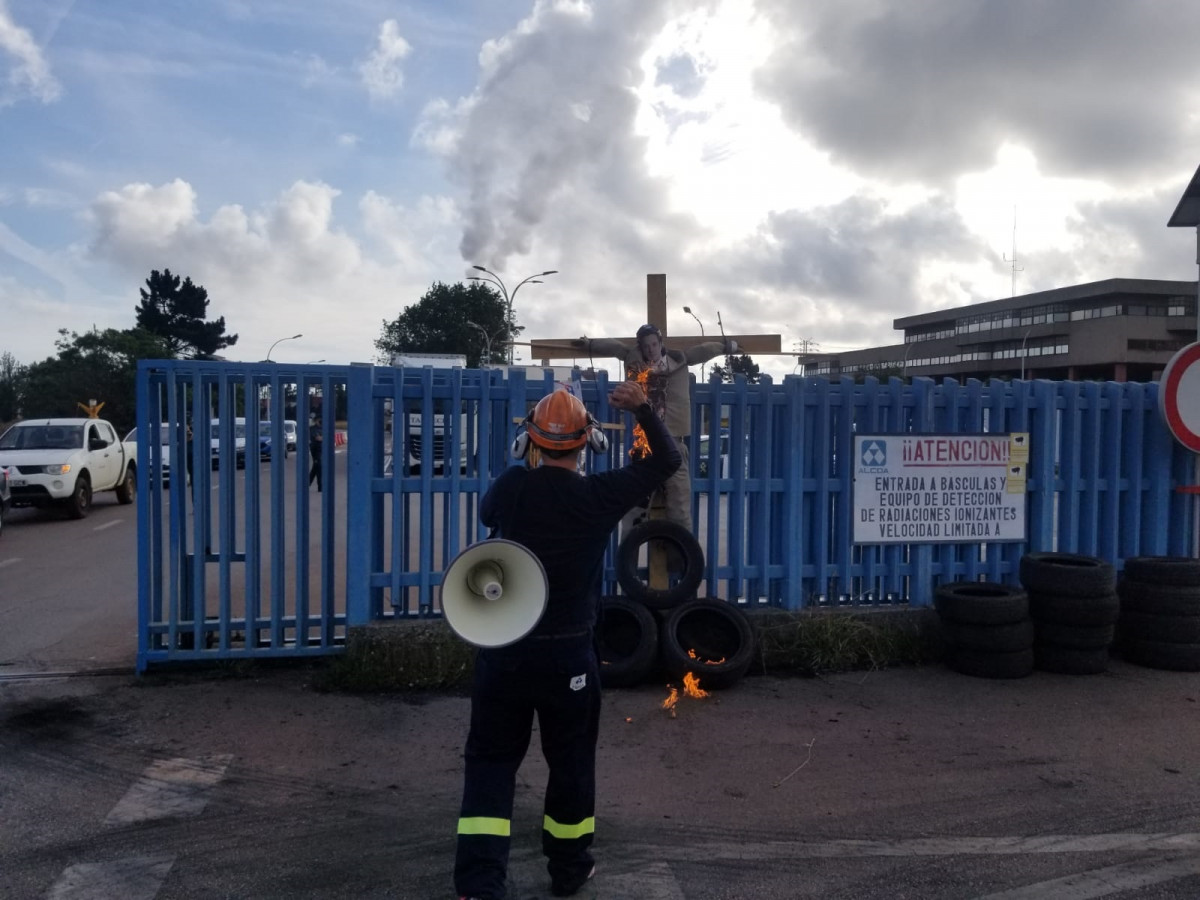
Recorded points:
(939, 488)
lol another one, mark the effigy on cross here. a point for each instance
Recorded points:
(546, 349)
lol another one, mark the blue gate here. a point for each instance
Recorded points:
(251, 562)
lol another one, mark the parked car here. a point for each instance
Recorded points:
(289, 433)
(5, 496)
(264, 442)
(239, 440)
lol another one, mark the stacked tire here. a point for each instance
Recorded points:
(670, 631)
(986, 629)
(1074, 606)
(1159, 625)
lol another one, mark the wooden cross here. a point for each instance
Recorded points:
(547, 349)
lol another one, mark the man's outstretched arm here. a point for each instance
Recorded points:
(701, 353)
(603, 347)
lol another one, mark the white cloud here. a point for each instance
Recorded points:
(289, 262)
(29, 74)
(381, 72)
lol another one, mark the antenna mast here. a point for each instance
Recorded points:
(1013, 260)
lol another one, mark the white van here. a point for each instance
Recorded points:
(239, 440)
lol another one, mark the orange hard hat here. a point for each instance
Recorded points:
(560, 421)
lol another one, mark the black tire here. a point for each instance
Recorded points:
(1159, 599)
(981, 603)
(628, 641)
(1161, 655)
(1098, 609)
(1067, 574)
(1069, 660)
(127, 489)
(1181, 570)
(981, 664)
(687, 549)
(1008, 638)
(1075, 637)
(79, 504)
(717, 632)
(1151, 627)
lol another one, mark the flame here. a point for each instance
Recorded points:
(641, 447)
(707, 662)
(691, 686)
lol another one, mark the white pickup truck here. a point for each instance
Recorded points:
(65, 461)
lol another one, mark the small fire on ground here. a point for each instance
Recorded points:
(691, 688)
(691, 684)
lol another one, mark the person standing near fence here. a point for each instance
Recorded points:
(565, 519)
(316, 446)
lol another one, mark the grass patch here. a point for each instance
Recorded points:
(402, 656)
(825, 641)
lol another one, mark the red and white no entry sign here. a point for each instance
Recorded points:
(1179, 396)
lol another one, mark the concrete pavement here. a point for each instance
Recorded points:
(908, 783)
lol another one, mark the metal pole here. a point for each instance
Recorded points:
(688, 310)
(292, 338)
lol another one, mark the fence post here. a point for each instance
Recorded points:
(361, 529)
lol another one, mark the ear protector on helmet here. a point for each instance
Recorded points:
(559, 420)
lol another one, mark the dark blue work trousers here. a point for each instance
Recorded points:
(559, 679)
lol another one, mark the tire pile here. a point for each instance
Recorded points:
(649, 631)
(1074, 607)
(1159, 624)
(986, 629)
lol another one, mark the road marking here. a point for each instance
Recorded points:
(1165, 842)
(1102, 882)
(9, 562)
(108, 524)
(134, 878)
(169, 787)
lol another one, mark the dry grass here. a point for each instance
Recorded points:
(426, 655)
(408, 656)
(815, 643)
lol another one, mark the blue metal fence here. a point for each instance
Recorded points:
(253, 562)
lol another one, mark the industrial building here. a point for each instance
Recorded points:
(1120, 329)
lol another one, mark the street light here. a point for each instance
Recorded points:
(292, 338)
(1023, 340)
(508, 298)
(688, 310)
(487, 339)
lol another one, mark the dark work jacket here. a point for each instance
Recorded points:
(566, 518)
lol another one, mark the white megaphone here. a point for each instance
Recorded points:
(494, 593)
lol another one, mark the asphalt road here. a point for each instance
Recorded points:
(236, 783)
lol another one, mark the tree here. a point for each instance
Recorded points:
(12, 386)
(98, 365)
(737, 365)
(451, 318)
(175, 312)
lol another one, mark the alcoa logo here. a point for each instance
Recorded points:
(874, 454)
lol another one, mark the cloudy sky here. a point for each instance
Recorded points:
(813, 168)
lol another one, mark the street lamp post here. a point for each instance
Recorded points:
(292, 338)
(487, 339)
(688, 310)
(1023, 340)
(508, 298)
